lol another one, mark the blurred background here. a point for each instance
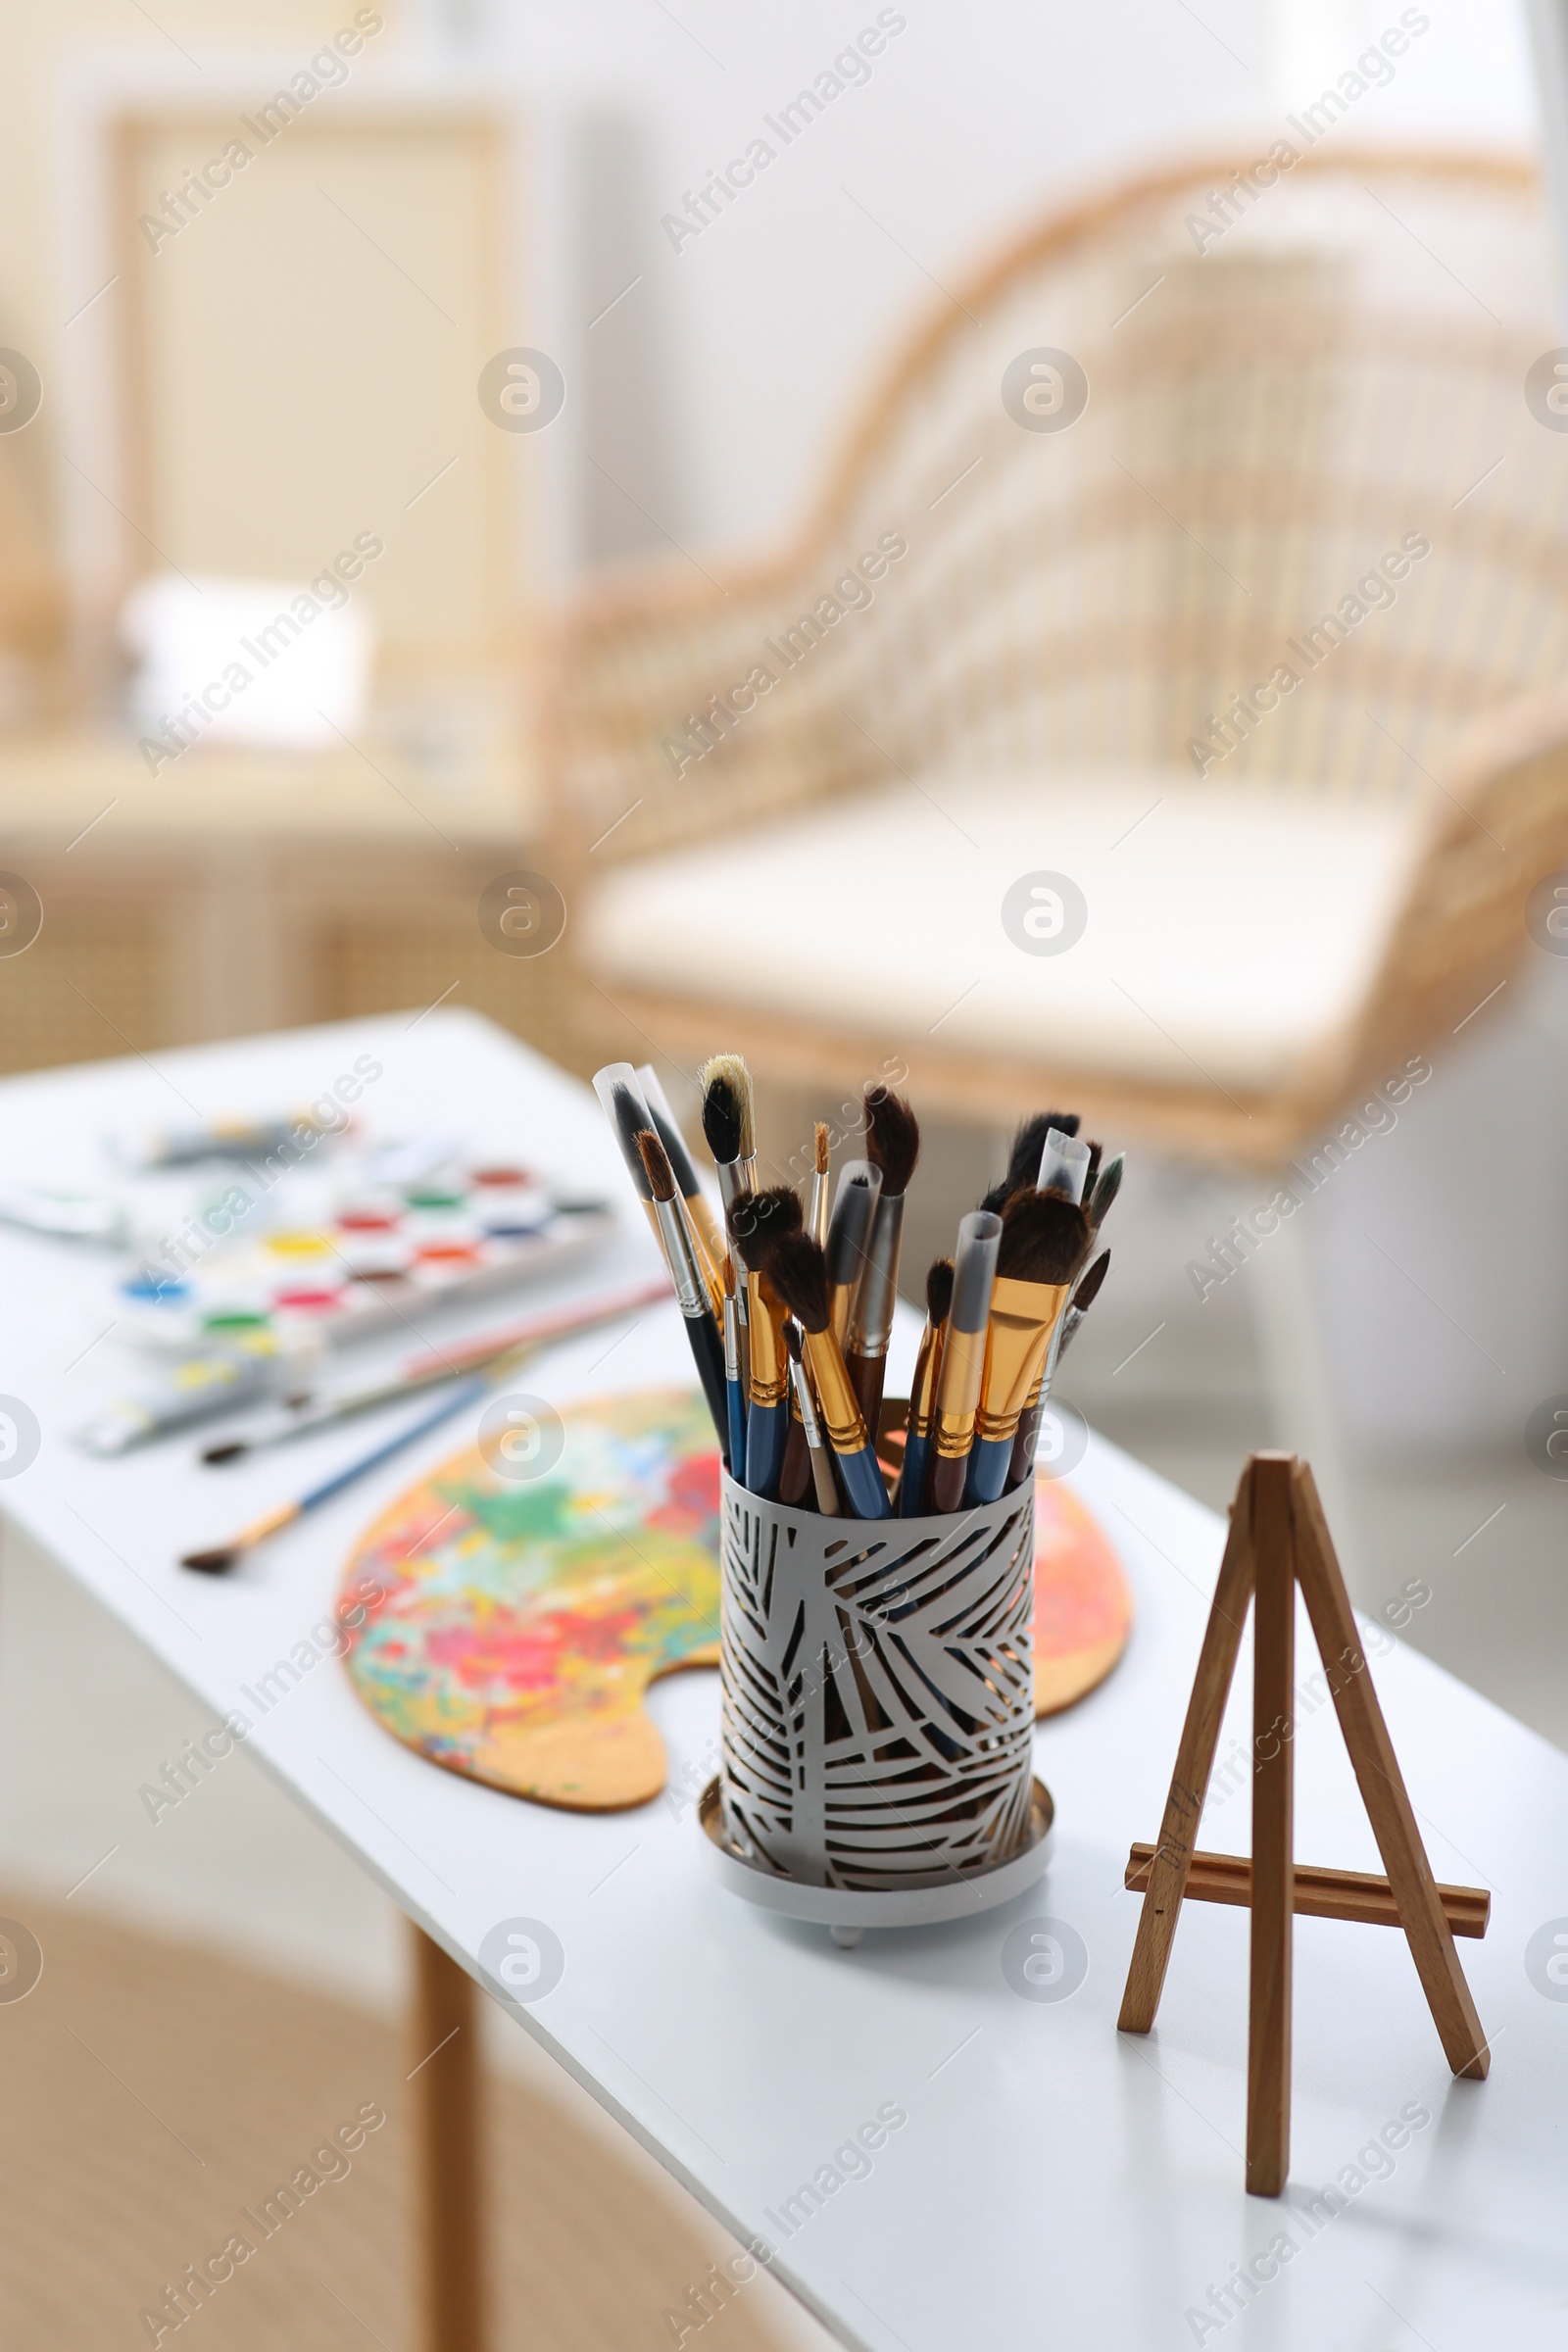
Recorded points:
(401, 346)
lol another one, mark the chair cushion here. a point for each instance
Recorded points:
(1233, 932)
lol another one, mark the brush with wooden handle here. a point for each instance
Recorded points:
(963, 1355)
(798, 1272)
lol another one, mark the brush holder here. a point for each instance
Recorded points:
(878, 1713)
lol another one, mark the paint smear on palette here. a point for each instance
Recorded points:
(523, 1621)
(1082, 1609)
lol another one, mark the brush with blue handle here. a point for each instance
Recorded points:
(757, 1221)
(797, 1274)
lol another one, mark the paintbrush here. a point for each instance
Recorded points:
(818, 1458)
(893, 1147)
(1023, 1156)
(679, 1244)
(666, 1126)
(1091, 1174)
(728, 1131)
(1082, 1299)
(798, 1272)
(1063, 1165)
(816, 1202)
(728, 1124)
(431, 1370)
(1105, 1187)
(756, 1223)
(734, 1387)
(631, 1119)
(849, 1230)
(924, 1389)
(223, 1556)
(1044, 1239)
(963, 1355)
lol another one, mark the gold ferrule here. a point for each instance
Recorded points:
(1023, 1317)
(959, 1384)
(770, 1370)
(843, 1424)
(715, 1247)
(923, 1387)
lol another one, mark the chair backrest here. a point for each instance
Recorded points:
(1306, 462)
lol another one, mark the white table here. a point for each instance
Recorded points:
(1054, 2183)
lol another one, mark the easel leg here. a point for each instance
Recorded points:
(1268, 2048)
(446, 2093)
(1383, 1789)
(1195, 1761)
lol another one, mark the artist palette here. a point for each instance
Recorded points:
(379, 1252)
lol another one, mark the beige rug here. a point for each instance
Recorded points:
(152, 2099)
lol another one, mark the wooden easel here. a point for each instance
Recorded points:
(1279, 1540)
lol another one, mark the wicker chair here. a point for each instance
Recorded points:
(1275, 407)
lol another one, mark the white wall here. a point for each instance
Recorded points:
(771, 326)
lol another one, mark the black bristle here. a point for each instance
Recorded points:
(939, 1292)
(721, 1122)
(631, 1117)
(1029, 1144)
(1045, 1238)
(757, 1221)
(1091, 1172)
(228, 1453)
(798, 1272)
(892, 1139)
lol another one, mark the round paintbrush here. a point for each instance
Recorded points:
(892, 1147)
(923, 1390)
(1045, 1241)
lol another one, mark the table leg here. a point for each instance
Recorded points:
(445, 2082)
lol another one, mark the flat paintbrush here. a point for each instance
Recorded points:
(893, 1147)
(1023, 1155)
(798, 1272)
(1044, 1239)
(1082, 1299)
(963, 1355)
(923, 1390)
(1063, 1165)
(756, 1222)
(848, 1234)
